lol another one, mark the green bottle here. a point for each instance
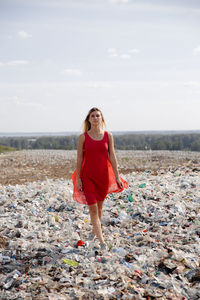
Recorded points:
(130, 198)
(142, 185)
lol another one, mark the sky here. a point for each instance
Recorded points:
(136, 60)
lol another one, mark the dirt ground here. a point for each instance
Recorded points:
(32, 165)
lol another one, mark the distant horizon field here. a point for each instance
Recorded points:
(32, 165)
(68, 133)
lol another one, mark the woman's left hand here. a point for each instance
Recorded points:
(119, 182)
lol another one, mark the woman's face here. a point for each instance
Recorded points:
(95, 118)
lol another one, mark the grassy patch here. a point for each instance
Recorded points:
(4, 149)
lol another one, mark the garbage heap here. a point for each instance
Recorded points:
(152, 231)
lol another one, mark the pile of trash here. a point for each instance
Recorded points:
(152, 231)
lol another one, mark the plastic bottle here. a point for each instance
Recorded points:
(142, 185)
(120, 251)
(130, 198)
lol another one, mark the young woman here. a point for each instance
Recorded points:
(96, 174)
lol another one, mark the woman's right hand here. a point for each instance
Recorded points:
(79, 185)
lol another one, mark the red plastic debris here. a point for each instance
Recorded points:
(80, 243)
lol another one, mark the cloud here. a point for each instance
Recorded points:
(195, 84)
(19, 102)
(24, 35)
(14, 63)
(112, 52)
(119, 1)
(98, 84)
(161, 6)
(196, 50)
(72, 72)
(133, 51)
(113, 55)
(17, 63)
(125, 56)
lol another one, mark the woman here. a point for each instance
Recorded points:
(96, 174)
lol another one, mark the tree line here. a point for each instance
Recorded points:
(187, 142)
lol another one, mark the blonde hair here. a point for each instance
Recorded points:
(86, 123)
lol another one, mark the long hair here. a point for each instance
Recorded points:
(86, 123)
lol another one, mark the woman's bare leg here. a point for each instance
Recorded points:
(95, 220)
(100, 207)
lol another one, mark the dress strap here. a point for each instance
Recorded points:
(106, 135)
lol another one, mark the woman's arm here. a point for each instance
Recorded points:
(113, 159)
(81, 141)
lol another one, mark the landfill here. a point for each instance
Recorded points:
(152, 232)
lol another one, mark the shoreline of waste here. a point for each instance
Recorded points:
(152, 230)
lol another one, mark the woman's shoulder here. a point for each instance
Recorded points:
(109, 134)
(82, 137)
(110, 137)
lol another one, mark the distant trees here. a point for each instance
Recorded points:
(195, 146)
(190, 142)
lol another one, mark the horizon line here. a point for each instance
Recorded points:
(113, 131)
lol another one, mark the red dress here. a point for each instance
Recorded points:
(97, 175)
